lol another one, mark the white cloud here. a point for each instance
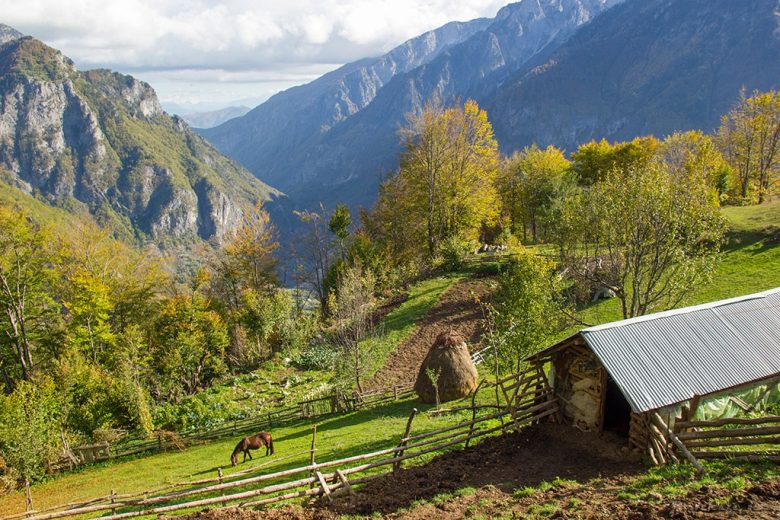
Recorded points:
(263, 39)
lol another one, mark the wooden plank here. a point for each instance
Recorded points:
(324, 485)
(730, 432)
(677, 442)
(345, 482)
(726, 422)
(739, 455)
(694, 443)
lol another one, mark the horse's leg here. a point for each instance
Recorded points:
(250, 454)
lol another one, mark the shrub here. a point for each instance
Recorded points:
(454, 251)
(318, 356)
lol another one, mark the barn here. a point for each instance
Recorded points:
(639, 376)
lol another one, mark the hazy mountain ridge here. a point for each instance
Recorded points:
(644, 67)
(213, 118)
(101, 139)
(290, 120)
(341, 158)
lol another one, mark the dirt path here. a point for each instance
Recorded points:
(457, 309)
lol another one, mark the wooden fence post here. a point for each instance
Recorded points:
(677, 442)
(221, 491)
(313, 447)
(400, 452)
(113, 500)
(473, 412)
(28, 503)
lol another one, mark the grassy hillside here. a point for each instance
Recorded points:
(750, 261)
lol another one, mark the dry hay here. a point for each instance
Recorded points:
(457, 374)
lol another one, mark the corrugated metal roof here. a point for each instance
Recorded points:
(668, 357)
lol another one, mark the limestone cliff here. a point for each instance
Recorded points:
(101, 139)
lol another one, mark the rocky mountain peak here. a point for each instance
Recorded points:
(100, 140)
(8, 33)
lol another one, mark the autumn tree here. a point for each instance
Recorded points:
(188, 346)
(595, 160)
(245, 259)
(749, 138)
(448, 169)
(529, 183)
(694, 155)
(649, 234)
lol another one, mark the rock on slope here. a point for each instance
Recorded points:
(100, 140)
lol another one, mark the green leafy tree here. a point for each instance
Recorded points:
(25, 301)
(30, 419)
(353, 327)
(650, 235)
(529, 309)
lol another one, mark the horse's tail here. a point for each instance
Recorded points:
(271, 443)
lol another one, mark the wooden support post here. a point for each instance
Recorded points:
(677, 442)
(222, 491)
(28, 503)
(313, 447)
(113, 501)
(345, 482)
(395, 392)
(400, 452)
(324, 485)
(473, 412)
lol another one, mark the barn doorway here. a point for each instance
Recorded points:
(617, 411)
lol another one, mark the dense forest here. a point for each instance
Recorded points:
(98, 335)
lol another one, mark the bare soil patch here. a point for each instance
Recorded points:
(457, 309)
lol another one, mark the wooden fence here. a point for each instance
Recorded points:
(331, 404)
(733, 438)
(527, 402)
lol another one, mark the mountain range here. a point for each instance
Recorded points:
(558, 72)
(99, 141)
(213, 118)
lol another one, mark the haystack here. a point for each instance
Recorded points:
(458, 375)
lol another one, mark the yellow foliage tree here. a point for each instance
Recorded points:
(447, 174)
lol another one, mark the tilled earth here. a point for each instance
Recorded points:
(457, 309)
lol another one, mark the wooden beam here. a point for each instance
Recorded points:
(324, 485)
(677, 442)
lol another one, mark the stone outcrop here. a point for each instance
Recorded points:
(102, 139)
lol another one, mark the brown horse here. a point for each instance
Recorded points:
(252, 443)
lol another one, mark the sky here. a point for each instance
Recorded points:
(206, 54)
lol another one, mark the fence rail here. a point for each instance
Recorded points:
(308, 409)
(522, 408)
(737, 438)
